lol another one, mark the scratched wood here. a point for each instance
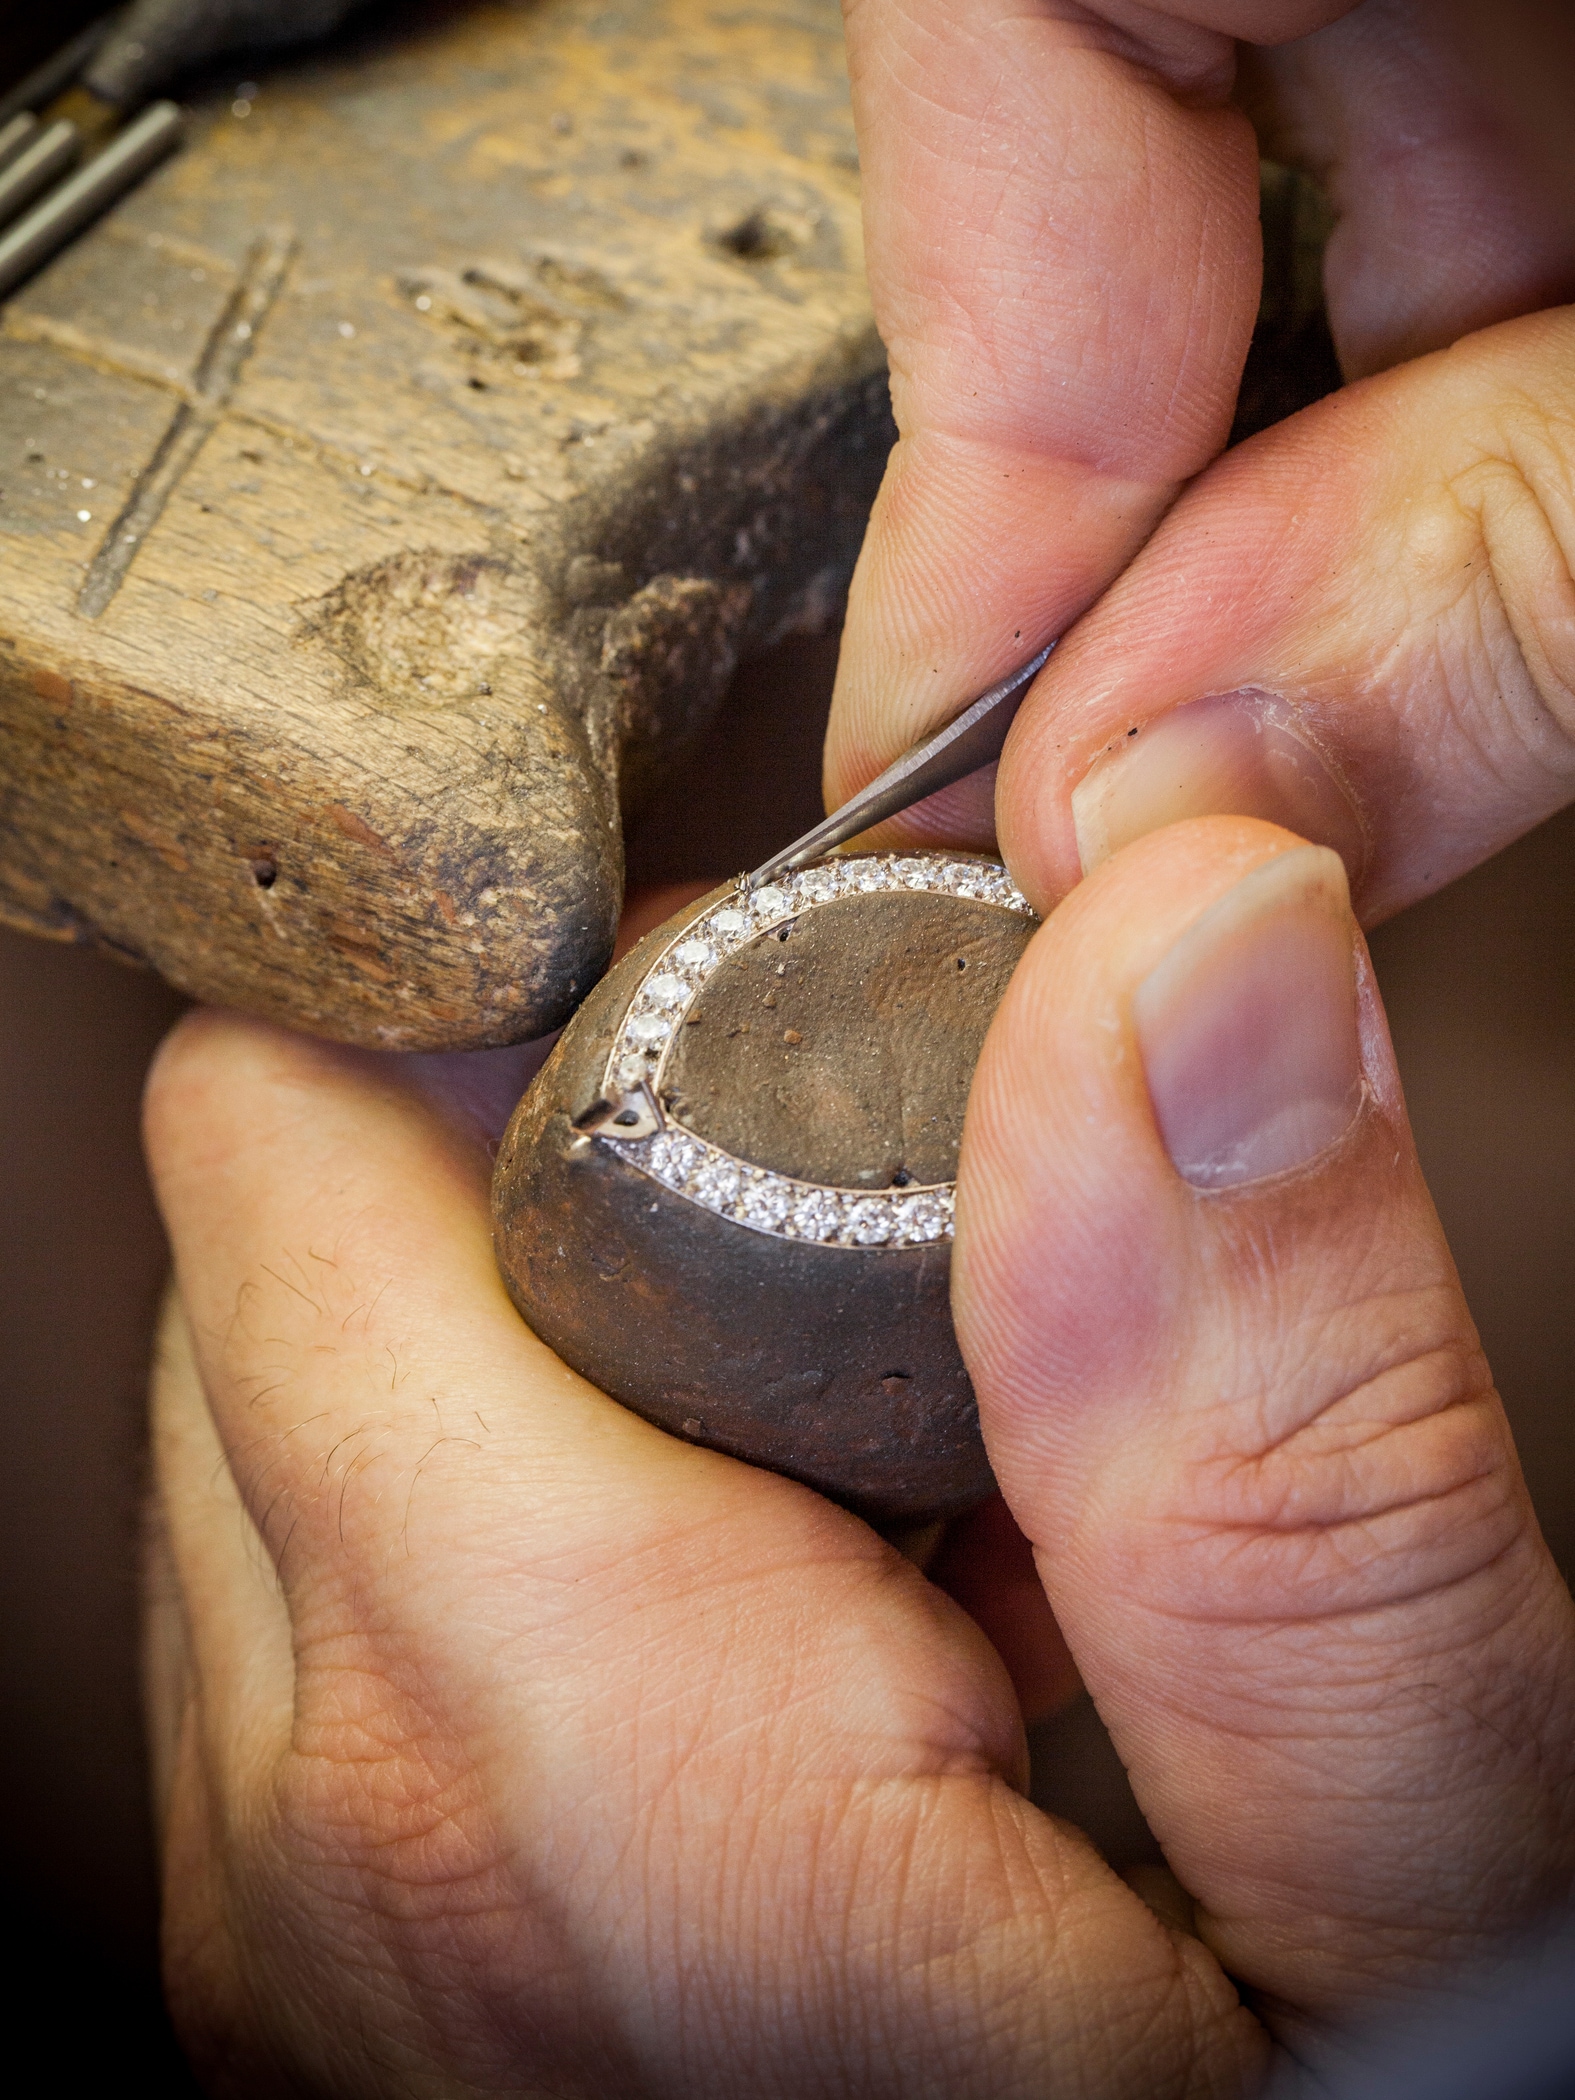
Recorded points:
(389, 486)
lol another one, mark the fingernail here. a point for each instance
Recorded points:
(1236, 755)
(1248, 1027)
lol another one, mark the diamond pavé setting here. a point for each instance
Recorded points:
(756, 1197)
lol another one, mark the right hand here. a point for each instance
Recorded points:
(1062, 214)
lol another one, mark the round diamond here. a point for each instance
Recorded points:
(817, 885)
(914, 874)
(694, 955)
(922, 1218)
(666, 990)
(716, 1183)
(729, 924)
(648, 1029)
(871, 1222)
(765, 1200)
(816, 1215)
(631, 1070)
(674, 1158)
(961, 875)
(871, 875)
(770, 902)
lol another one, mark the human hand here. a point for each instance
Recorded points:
(1062, 223)
(511, 1745)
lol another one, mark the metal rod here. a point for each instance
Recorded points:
(58, 71)
(970, 740)
(36, 167)
(88, 192)
(14, 136)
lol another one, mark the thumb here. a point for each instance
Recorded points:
(1360, 625)
(1234, 1397)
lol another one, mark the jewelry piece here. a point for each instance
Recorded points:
(755, 1196)
(728, 1196)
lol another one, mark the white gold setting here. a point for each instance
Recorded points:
(757, 1197)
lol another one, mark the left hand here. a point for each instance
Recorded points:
(508, 1744)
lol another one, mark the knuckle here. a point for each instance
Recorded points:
(1519, 491)
(1397, 1482)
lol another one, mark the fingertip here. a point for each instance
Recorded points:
(1235, 617)
(1075, 1223)
(208, 1054)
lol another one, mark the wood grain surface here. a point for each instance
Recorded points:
(389, 487)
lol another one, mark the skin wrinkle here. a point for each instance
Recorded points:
(1355, 1549)
(1438, 1387)
(1340, 1485)
(1546, 645)
(1379, 1331)
(376, 1880)
(1335, 1494)
(1231, 1546)
(1372, 1666)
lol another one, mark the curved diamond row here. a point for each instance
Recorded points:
(663, 997)
(789, 1209)
(755, 1196)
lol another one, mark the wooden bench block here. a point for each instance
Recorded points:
(388, 488)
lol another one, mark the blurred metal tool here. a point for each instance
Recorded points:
(970, 740)
(50, 153)
(91, 190)
(19, 132)
(39, 150)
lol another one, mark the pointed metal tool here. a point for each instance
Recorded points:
(970, 740)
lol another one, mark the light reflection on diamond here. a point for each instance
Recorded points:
(674, 1157)
(765, 1200)
(777, 1204)
(647, 1028)
(922, 1218)
(694, 955)
(870, 1222)
(716, 1183)
(666, 990)
(728, 925)
(816, 1215)
(770, 902)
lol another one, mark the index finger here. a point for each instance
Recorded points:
(1063, 241)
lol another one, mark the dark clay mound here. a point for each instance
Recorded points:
(837, 1050)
